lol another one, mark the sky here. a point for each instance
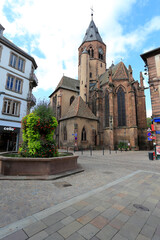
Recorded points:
(51, 32)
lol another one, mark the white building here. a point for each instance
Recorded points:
(17, 80)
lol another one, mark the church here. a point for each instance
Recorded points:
(105, 106)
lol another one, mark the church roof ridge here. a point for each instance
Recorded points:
(67, 83)
(79, 109)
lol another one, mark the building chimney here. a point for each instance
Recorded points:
(1, 30)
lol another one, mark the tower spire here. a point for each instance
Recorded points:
(92, 13)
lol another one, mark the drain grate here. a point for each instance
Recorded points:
(67, 185)
(62, 184)
(141, 207)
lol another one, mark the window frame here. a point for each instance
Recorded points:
(13, 109)
(16, 61)
(121, 105)
(106, 104)
(15, 79)
(83, 135)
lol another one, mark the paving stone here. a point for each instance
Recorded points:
(52, 219)
(118, 207)
(107, 233)
(75, 236)
(67, 220)
(153, 221)
(19, 235)
(88, 217)
(95, 238)
(80, 205)
(88, 231)
(69, 211)
(34, 228)
(119, 237)
(148, 231)
(137, 220)
(142, 237)
(128, 212)
(55, 236)
(39, 236)
(99, 222)
(130, 231)
(122, 217)
(110, 213)
(156, 237)
(79, 213)
(54, 228)
(115, 223)
(70, 229)
(156, 212)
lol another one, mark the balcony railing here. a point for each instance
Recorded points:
(34, 79)
(31, 98)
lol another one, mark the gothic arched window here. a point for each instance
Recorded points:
(106, 109)
(121, 107)
(91, 52)
(94, 109)
(72, 99)
(65, 133)
(100, 52)
(83, 135)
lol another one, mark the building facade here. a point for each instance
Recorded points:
(152, 65)
(111, 103)
(17, 80)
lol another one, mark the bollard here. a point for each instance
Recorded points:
(91, 151)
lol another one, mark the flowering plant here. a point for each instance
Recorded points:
(38, 130)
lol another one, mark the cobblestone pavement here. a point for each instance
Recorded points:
(97, 205)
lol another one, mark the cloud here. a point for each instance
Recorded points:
(54, 31)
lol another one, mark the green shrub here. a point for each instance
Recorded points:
(38, 130)
(122, 145)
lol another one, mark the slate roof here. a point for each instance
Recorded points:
(119, 72)
(92, 33)
(67, 83)
(12, 46)
(79, 109)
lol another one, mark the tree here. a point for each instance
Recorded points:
(149, 122)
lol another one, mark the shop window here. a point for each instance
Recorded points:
(106, 109)
(90, 75)
(72, 99)
(17, 62)
(83, 135)
(14, 84)
(121, 107)
(11, 107)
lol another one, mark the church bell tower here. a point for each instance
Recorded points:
(92, 59)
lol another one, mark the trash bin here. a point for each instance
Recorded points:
(150, 154)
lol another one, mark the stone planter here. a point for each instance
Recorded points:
(17, 166)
